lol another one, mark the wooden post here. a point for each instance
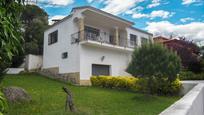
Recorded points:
(69, 101)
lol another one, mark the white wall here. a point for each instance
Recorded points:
(33, 62)
(191, 104)
(118, 60)
(14, 70)
(139, 35)
(52, 56)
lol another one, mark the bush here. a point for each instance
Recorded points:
(17, 61)
(154, 60)
(120, 82)
(195, 67)
(137, 84)
(3, 104)
(188, 75)
(156, 64)
(159, 86)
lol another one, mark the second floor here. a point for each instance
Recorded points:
(88, 25)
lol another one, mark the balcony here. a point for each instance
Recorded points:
(102, 39)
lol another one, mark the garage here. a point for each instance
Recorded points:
(100, 69)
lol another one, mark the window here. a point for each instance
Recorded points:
(133, 40)
(91, 33)
(52, 37)
(100, 69)
(144, 40)
(64, 55)
(92, 30)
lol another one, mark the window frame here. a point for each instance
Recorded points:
(53, 37)
(64, 56)
(133, 36)
(146, 40)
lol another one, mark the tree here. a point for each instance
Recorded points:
(188, 52)
(35, 22)
(10, 32)
(154, 62)
(202, 51)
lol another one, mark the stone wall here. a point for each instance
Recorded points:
(66, 77)
(85, 82)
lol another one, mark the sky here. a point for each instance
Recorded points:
(160, 17)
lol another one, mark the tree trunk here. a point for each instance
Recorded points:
(69, 101)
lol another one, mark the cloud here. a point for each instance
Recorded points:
(57, 2)
(161, 13)
(136, 9)
(154, 3)
(192, 31)
(89, 1)
(188, 2)
(154, 14)
(186, 19)
(139, 15)
(59, 17)
(119, 6)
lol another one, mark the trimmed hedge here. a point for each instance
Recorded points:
(188, 75)
(160, 87)
(121, 82)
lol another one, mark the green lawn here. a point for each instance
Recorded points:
(49, 99)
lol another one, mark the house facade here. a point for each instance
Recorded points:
(90, 42)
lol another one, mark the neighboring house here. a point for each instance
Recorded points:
(186, 50)
(160, 39)
(90, 42)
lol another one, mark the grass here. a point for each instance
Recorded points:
(49, 99)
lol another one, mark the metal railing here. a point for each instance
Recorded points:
(101, 37)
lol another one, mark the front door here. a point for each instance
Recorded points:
(100, 69)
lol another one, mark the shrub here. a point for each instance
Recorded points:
(3, 104)
(195, 67)
(154, 63)
(159, 86)
(153, 60)
(138, 84)
(120, 82)
(188, 75)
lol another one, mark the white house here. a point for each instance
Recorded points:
(90, 42)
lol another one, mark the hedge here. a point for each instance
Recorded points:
(120, 82)
(161, 87)
(188, 75)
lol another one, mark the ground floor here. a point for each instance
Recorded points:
(92, 61)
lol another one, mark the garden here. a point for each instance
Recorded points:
(155, 83)
(149, 92)
(48, 98)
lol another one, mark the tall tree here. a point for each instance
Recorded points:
(10, 32)
(35, 21)
(188, 52)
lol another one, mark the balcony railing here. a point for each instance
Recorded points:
(101, 37)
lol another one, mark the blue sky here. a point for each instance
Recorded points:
(160, 17)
